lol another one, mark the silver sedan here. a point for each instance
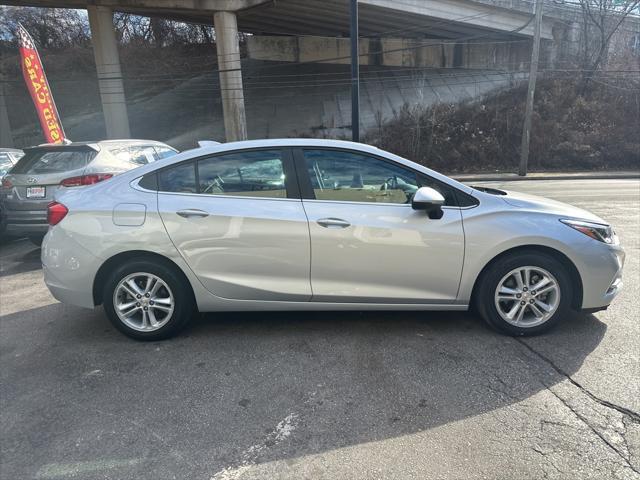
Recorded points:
(302, 224)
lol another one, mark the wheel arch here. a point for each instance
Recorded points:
(576, 301)
(111, 263)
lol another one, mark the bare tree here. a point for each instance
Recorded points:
(54, 28)
(601, 19)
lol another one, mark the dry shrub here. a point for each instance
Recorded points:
(590, 128)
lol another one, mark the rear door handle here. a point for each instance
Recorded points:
(333, 223)
(192, 212)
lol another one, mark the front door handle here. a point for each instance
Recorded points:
(192, 212)
(333, 223)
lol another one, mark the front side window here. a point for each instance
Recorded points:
(257, 173)
(354, 177)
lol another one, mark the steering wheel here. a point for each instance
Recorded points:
(390, 183)
(215, 182)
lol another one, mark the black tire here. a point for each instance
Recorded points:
(179, 286)
(485, 293)
(36, 239)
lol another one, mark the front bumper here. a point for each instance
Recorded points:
(601, 272)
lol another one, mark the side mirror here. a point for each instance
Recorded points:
(429, 200)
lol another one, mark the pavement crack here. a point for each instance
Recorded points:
(626, 413)
(634, 416)
(595, 431)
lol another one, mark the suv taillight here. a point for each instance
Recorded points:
(85, 179)
(56, 212)
(6, 183)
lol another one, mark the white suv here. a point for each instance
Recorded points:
(31, 184)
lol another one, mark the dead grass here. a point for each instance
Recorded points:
(596, 129)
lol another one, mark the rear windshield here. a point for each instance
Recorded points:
(53, 161)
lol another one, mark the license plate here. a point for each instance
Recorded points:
(36, 192)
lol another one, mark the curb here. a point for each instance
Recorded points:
(512, 177)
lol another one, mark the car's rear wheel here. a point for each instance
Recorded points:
(147, 300)
(524, 294)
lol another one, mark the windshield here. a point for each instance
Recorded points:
(53, 161)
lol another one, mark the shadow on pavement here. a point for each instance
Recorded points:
(20, 261)
(224, 385)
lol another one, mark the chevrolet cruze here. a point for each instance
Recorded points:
(303, 224)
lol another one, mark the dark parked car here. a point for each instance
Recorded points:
(8, 158)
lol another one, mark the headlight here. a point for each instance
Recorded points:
(597, 231)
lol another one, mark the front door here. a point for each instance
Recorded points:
(238, 222)
(367, 243)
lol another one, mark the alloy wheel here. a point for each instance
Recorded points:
(143, 301)
(527, 296)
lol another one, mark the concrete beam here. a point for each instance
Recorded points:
(231, 91)
(405, 52)
(105, 50)
(479, 15)
(150, 6)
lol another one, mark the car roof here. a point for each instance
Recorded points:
(101, 143)
(209, 148)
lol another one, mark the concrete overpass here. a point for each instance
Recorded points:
(432, 19)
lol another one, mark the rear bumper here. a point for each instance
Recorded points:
(26, 222)
(69, 269)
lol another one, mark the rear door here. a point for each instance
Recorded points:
(238, 221)
(35, 178)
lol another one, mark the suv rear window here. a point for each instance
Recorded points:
(53, 161)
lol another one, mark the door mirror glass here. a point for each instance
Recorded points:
(430, 200)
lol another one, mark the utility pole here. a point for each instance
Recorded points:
(355, 74)
(531, 91)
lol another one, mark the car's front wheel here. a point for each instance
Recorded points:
(147, 300)
(524, 294)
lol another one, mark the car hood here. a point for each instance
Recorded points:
(546, 205)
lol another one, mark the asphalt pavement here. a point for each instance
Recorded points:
(322, 395)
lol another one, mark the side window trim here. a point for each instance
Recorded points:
(306, 188)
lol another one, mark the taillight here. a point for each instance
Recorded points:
(6, 183)
(56, 212)
(85, 179)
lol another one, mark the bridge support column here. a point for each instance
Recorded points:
(6, 139)
(231, 91)
(105, 50)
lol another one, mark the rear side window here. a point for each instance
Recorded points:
(258, 173)
(252, 174)
(53, 161)
(178, 179)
